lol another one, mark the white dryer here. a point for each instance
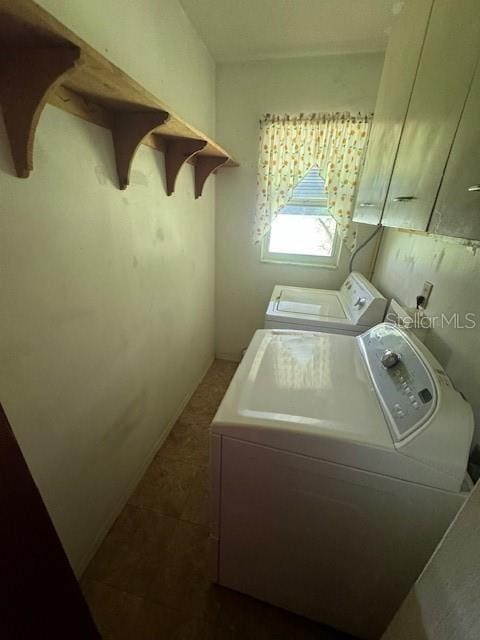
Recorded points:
(350, 310)
(337, 464)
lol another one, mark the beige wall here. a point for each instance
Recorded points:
(107, 318)
(244, 93)
(405, 261)
(443, 603)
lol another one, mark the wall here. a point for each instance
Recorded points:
(107, 320)
(244, 93)
(405, 261)
(443, 603)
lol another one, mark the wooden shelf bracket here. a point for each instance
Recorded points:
(204, 166)
(177, 152)
(128, 131)
(27, 76)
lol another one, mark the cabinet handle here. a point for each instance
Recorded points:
(474, 187)
(404, 198)
(367, 204)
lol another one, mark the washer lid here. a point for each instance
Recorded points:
(303, 382)
(310, 302)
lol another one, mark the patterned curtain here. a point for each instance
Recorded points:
(291, 145)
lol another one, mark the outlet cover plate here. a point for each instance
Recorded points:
(426, 291)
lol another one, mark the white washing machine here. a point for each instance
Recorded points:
(337, 463)
(350, 310)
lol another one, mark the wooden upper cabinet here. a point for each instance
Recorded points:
(457, 209)
(398, 76)
(444, 75)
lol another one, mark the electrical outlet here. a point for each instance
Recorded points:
(425, 293)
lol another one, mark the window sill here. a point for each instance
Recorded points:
(293, 263)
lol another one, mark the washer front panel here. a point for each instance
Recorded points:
(407, 391)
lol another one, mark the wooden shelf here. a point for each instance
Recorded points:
(42, 61)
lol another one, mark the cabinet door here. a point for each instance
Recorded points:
(457, 210)
(401, 62)
(444, 75)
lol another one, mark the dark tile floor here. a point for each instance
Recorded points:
(149, 579)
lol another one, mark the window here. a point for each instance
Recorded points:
(304, 232)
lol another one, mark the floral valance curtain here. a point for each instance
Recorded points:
(291, 146)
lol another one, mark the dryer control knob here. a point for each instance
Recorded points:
(390, 359)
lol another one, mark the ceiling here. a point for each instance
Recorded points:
(237, 30)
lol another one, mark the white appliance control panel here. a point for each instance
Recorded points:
(364, 304)
(404, 383)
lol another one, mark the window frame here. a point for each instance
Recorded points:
(300, 259)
